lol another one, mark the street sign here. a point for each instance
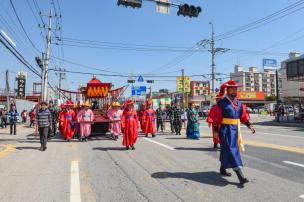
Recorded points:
(138, 90)
(163, 6)
(179, 81)
(140, 79)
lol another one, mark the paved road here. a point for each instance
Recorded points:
(165, 168)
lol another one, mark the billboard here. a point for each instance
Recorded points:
(246, 95)
(179, 81)
(270, 64)
(138, 90)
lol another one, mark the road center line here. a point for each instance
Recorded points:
(161, 144)
(75, 195)
(295, 164)
(302, 196)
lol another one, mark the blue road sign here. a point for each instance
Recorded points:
(138, 90)
(140, 79)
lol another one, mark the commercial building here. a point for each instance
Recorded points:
(291, 79)
(200, 93)
(253, 80)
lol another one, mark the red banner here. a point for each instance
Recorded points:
(98, 90)
(117, 92)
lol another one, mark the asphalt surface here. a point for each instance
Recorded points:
(165, 168)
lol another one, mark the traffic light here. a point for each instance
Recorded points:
(150, 81)
(131, 3)
(189, 10)
(131, 81)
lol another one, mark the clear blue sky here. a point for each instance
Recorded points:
(103, 20)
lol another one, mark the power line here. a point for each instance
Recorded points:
(101, 69)
(31, 42)
(263, 21)
(123, 75)
(19, 57)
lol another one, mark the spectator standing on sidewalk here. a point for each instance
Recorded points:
(44, 121)
(4, 117)
(13, 117)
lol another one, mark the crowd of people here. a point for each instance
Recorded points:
(224, 117)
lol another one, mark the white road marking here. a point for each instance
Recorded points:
(274, 134)
(293, 163)
(75, 195)
(161, 144)
(302, 196)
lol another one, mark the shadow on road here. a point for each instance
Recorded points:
(25, 148)
(197, 149)
(211, 177)
(109, 148)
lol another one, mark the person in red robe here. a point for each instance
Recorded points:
(68, 119)
(60, 116)
(130, 125)
(149, 120)
(213, 111)
(140, 116)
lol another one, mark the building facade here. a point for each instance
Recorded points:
(253, 80)
(199, 88)
(290, 89)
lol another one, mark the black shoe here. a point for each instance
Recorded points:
(241, 177)
(146, 135)
(132, 147)
(44, 148)
(41, 148)
(216, 146)
(153, 135)
(127, 148)
(68, 140)
(224, 172)
(116, 138)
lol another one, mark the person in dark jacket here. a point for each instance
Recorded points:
(44, 121)
(177, 119)
(13, 117)
(159, 118)
(54, 115)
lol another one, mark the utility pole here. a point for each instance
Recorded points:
(212, 58)
(46, 59)
(7, 90)
(213, 50)
(61, 76)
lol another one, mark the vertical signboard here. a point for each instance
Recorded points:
(21, 81)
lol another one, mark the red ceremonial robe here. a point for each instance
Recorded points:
(141, 120)
(60, 115)
(129, 121)
(213, 112)
(149, 119)
(68, 123)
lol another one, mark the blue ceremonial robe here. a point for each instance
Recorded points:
(230, 155)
